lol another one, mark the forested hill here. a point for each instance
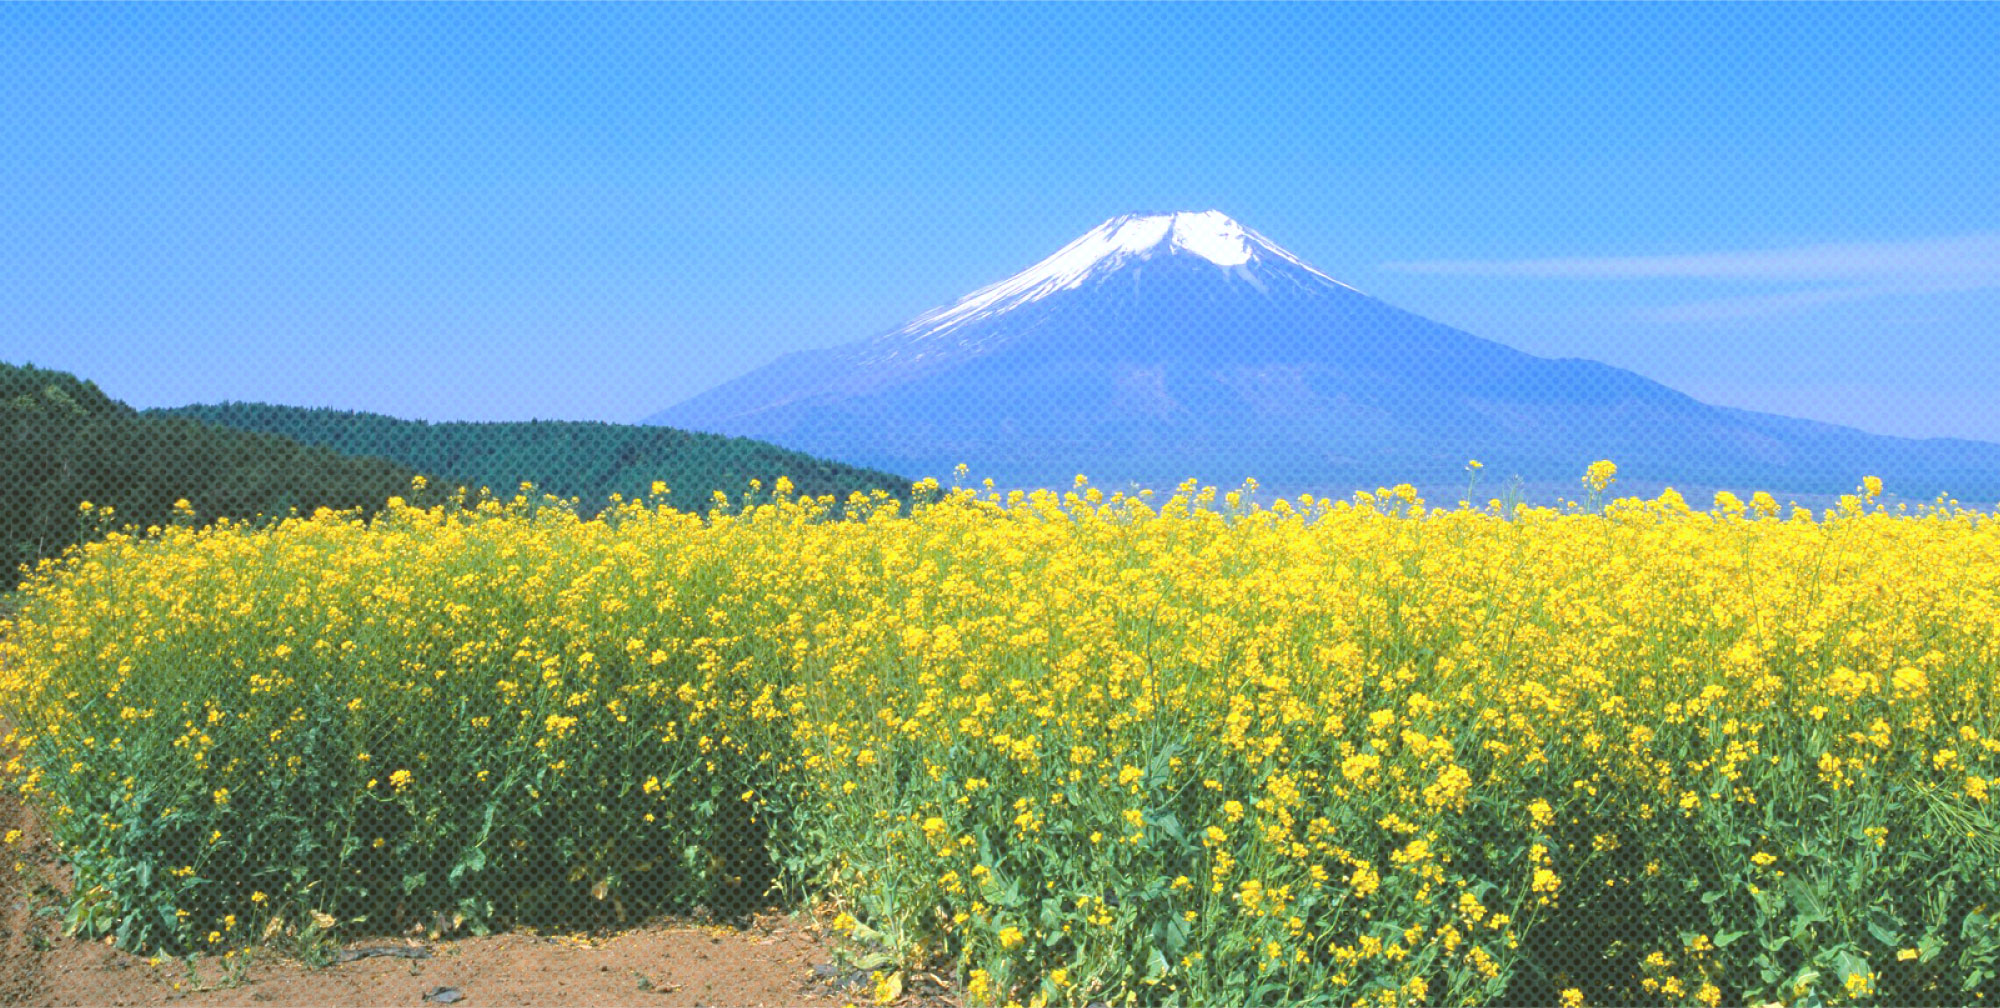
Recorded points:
(580, 459)
(63, 441)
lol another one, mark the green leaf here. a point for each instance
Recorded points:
(1852, 965)
(1973, 924)
(473, 861)
(1805, 901)
(1171, 933)
(1165, 822)
(1884, 934)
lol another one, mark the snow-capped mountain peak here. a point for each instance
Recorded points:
(1155, 348)
(1208, 234)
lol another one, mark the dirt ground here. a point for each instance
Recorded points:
(777, 960)
(667, 965)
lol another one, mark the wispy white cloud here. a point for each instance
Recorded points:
(1757, 305)
(1959, 256)
(1847, 271)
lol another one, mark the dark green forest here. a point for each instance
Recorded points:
(63, 441)
(66, 441)
(586, 460)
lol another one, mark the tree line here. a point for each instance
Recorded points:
(67, 442)
(63, 441)
(586, 460)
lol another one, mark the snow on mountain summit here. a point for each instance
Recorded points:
(1209, 235)
(1155, 348)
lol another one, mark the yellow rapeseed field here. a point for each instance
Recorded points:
(1078, 747)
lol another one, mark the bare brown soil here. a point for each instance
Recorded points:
(669, 965)
(776, 960)
(22, 935)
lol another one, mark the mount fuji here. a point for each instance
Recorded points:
(1155, 348)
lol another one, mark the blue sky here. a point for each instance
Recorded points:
(504, 212)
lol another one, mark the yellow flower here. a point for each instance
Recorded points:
(887, 987)
(847, 663)
(1541, 813)
(1600, 475)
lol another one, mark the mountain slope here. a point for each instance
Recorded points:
(566, 458)
(1155, 348)
(66, 442)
